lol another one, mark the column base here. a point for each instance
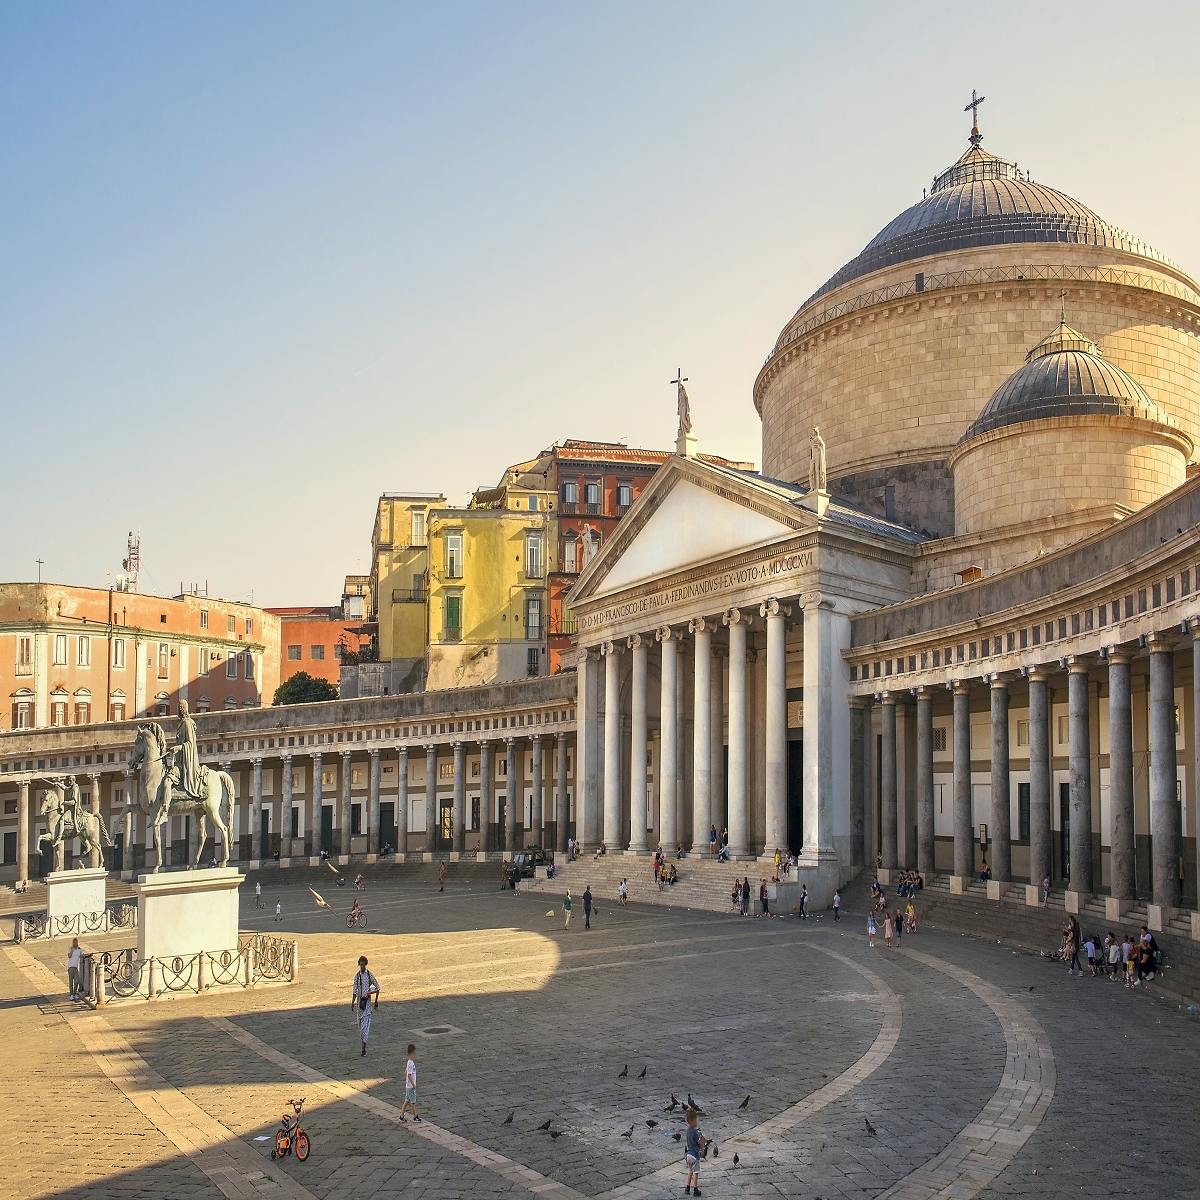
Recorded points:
(1196, 927)
(1157, 915)
(1073, 902)
(959, 884)
(884, 875)
(1033, 896)
(1113, 907)
(637, 851)
(996, 889)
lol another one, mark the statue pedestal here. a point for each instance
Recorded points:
(70, 893)
(181, 912)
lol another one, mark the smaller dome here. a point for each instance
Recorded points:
(1064, 375)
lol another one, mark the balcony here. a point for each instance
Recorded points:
(581, 508)
(452, 634)
(408, 595)
(563, 626)
(533, 633)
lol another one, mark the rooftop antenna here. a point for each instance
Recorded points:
(131, 564)
(40, 564)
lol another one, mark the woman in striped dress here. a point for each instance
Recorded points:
(364, 1000)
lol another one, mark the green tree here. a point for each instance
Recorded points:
(303, 688)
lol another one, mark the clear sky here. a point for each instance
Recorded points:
(261, 262)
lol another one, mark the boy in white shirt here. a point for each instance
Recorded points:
(623, 892)
(74, 961)
(410, 1084)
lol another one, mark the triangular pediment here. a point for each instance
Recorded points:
(688, 516)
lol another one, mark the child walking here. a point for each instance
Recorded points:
(410, 1084)
(872, 930)
(693, 1148)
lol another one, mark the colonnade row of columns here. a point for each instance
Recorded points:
(549, 765)
(599, 760)
(1165, 810)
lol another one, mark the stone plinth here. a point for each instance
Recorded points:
(181, 912)
(996, 888)
(1033, 896)
(959, 885)
(1156, 917)
(1112, 908)
(884, 876)
(1196, 927)
(69, 893)
(1073, 902)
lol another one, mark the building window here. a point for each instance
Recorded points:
(164, 660)
(533, 618)
(417, 517)
(58, 713)
(591, 495)
(203, 704)
(454, 555)
(230, 704)
(533, 556)
(83, 712)
(1064, 730)
(624, 496)
(939, 739)
(418, 587)
(22, 712)
(60, 649)
(231, 665)
(1023, 812)
(116, 710)
(293, 654)
(571, 554)
(83, 652)
(1022, 733)
(531, 503)
(204, 618)
(24, 656)
(249, 626)
(231, 624)
(316, 653)
(452, 623)
(533, 661)
(118, 654)
(248, 665)
(446, 770)
(570, 495)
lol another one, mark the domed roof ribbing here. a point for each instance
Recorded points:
(1064, 375)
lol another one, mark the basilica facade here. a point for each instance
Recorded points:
(953, 624)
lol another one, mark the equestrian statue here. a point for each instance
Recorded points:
(67, 819)
(171, 780)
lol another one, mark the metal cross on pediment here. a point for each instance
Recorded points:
(680, 377)
(973, 109)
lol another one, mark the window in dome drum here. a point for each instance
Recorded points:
(920, 281)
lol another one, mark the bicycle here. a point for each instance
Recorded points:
(290, 1138)
(355, 918)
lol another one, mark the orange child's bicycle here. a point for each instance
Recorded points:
(290, 1138)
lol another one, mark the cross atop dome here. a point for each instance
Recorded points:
(973, 108)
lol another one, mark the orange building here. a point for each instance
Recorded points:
(317, 640)
(77, 655)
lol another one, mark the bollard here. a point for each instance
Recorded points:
(295, 962)
(151, 982)
(98, 972)
(201, 972)
(249, 965)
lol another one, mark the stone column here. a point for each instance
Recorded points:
(702, 630)
(94, 857)
(487, 801)
(536, 815)
(859, 723)
(1000, 832)
(1164, 786)
(432, 815)
(1120, 778)
(716, 742)
(257, 850)
(925, 841)
(776, 831)
(585, 768)
(668, 784)
(285, 805)
(739, 814)
(1196, 752)
(887, 832)
(1039, 777)
(458, 819)
(562, 805)
(612, 746)
(402, 804)
(347, 804)
(315, 793)
(1080, 758)
(511, 799)
(637, 748)
(964, 849)
(373, 802)
(23, 831)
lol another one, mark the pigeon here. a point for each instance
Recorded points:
(556, 1133)
(545, 1124)
(650, 1124)
(642, 1073)
(321, 901)
(673, 1105)
(623, 1072)
(509, 1119)
(716, 1150)
(628, 1133)
(736, 1160)
(744, 1104)
(870, 1128)
(704, 1152)
(694, 1106)
(677, 1136)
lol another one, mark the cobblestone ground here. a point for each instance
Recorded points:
(980, 1072)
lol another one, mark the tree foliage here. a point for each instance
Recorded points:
(303, 688)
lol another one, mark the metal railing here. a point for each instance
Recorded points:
(408, 595)
(42, 927)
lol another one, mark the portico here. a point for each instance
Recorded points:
(720, 613)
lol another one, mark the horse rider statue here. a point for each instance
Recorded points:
(186, 775)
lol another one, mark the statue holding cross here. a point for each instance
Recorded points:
(683, 405)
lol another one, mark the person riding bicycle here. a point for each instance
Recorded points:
(356, 911)
(359, 883)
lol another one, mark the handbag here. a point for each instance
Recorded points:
(362, 1003)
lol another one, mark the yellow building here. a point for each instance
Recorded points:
(397, 586)
(488, 565)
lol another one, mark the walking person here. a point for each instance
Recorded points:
(441, 877)
(623, 892)
(837, 906)
(804, 902)
(888, 926)
(410, 1083)
(567, 910)
(745, 895)
(587, 906)
(364, 999)
(872, 930)
(898, 925)
(258, 900)
(712, 841)
(694, 1146)
(1045, 891)
(278, 910)
(74, 965)
(762, 898)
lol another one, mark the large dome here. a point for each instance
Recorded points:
(983, 200)
(1064, 375)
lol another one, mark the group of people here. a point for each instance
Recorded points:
(897, 921)
(784, 865)
(718, 843)
(910, 883)
(665, 874)
(1136, 957)
(364, 1002)
(588, 907)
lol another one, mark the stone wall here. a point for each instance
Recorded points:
(1037, 470)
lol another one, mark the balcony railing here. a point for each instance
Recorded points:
(582, 508)
(562, 626)
(452, 634)
(408, 595)
(533, 633)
